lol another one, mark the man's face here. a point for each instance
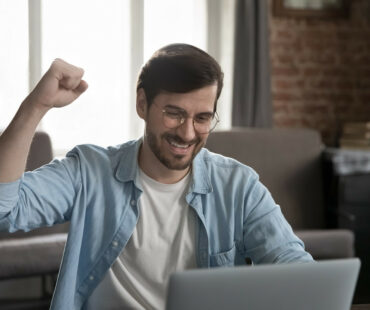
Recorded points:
(175, 148)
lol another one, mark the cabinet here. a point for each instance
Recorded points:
(349, 198)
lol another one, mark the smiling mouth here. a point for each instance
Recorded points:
(181, 146)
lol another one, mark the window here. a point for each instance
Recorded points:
(13, 57)
(96, 39)
(106, 39)
(168, 21)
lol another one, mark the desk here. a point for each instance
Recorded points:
(361, 307)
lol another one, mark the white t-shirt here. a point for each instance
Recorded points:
(162, 242)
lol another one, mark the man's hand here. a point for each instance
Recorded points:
(60, 86)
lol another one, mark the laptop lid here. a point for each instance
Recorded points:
(323, 285)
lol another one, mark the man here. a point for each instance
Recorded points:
(146, 208)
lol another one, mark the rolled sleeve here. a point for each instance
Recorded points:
(8, 196)
(42, 197)
(268, 237)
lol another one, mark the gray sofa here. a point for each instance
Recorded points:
(290, 164)
(37, 253)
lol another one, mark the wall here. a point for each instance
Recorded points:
(321, 71)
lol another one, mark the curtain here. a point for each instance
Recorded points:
(220, 44)
(251, 90)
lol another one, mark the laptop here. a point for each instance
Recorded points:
(323, 285)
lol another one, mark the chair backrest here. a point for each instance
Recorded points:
(289, 162)
(41, 151)
(40, 154)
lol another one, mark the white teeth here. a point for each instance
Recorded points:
(179, 145)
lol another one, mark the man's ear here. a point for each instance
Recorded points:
(141, 104)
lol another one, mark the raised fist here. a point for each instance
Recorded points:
(60, 85)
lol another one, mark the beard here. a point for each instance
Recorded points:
(170, 161)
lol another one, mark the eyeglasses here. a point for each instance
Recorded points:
(203, 122)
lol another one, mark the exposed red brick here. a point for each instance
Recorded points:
(321, 71)
(320, 110)
(317, 58)
(344, 84)
(289, 123)
(363, 59)
(335, 71)
(326, 84)
(285, 96)
(283, 109)
(362, 72)
(363, 84)
(286, 46)
(311, 71)
(318, 34)
(364, 97)
(336, 97)
(357, 35)
(285, 71)
(284, 34)
(288, 84)
(321, 46)
(313, 96)
(285, 59)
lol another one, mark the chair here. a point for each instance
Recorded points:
(35, 253)
(290, 164)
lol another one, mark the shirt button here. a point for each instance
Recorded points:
(133, 202)
(115, 243)
(91, 278)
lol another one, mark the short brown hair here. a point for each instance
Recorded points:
(179, 68)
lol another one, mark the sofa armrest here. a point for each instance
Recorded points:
(31, 256)
(329, 243)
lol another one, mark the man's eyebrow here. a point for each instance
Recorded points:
(175, 107)
(205, 114)
(185, 112)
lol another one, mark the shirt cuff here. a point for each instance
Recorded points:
(9, 195)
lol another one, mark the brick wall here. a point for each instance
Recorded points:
(321, 71)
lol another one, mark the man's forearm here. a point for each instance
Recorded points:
(60, 86)
(16, 140)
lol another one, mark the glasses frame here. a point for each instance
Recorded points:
(183, 118)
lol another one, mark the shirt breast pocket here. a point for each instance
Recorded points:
(223, 259)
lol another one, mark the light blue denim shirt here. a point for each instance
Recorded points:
(97, 190)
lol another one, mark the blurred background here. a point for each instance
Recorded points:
(288, 64)
(302, 70)
(110, 40)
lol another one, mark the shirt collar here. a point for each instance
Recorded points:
(128, 161)
(201, 182)
(128, 167)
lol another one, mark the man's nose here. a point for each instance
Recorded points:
(186, 131)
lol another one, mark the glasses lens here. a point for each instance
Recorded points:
(206, 127)
(175, 119)
(171, 120)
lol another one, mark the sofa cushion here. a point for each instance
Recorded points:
(31, 256)
(328, 244)
(289, 162)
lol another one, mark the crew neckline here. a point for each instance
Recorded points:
(162, 186)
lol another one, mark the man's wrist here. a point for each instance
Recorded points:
(35, 108)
